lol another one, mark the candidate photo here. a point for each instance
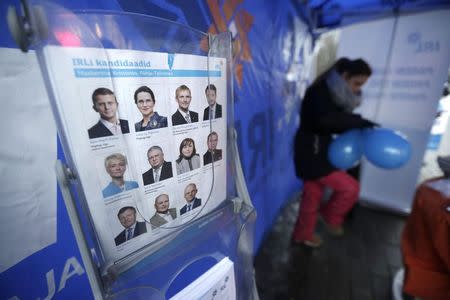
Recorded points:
(160, 169)
(188, 158)
(104, 102)
(164, 214)
(212, 154)
(127, 217)
(116, 165)
(190, 195)
(183, 115)
(214, 109)
(145, 102)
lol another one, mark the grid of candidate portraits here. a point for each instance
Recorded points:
(159, 150)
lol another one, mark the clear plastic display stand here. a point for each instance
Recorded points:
(142, 235)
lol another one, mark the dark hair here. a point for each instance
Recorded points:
(101, 91)
(344, 65)
(185, 142)
(123, 209)
(211, 134)
(352, 67)
(211, 87)
(145, 89)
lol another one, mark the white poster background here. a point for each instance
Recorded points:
(408, 100)
(28, 155)
(76, 72)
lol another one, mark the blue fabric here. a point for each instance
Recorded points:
(336, 13)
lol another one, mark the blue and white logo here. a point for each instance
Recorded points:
(414, 37)
(421, 44)
(170, 59)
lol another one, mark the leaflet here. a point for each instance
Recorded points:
(216, 283)
(146, 134)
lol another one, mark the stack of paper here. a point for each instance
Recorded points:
(216, 283)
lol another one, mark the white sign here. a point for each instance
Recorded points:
(216, 283)
(403, 92)
(28, 151)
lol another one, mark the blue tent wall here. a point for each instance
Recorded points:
(260, 123)
(337, 13)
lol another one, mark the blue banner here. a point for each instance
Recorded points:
(268, 46)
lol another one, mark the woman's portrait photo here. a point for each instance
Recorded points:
(188, 159)
(144, 98)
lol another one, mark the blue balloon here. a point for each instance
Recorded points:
(385, 148)
(346, 150)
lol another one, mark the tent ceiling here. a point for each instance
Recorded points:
(322, 14)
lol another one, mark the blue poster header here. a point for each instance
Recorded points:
(115, 72)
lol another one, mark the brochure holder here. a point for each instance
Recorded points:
(82, 52)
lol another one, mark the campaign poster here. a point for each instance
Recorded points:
(145, 133)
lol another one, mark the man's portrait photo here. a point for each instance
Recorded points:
(160, 169)
(183, 115)
(105, 103)
(116, 165)
(145, 102)
(163, 213)
(214, 109)
(212, 154)
(127, 217)
(190, 195)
